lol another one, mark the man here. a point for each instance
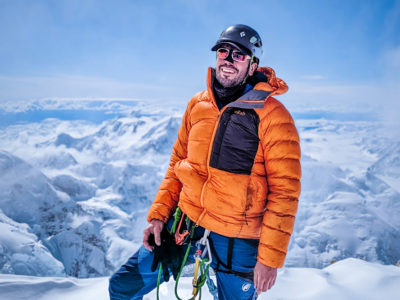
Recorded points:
(234, 170)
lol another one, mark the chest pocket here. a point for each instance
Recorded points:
(236, 141)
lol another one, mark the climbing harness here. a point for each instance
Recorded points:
(183, 231)
(227, 267)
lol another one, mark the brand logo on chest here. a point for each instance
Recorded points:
(239, 112)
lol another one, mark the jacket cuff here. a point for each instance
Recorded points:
(270, 257)
(160, 212)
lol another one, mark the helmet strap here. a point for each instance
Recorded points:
(248, 70)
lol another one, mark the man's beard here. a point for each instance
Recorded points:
(227, 83)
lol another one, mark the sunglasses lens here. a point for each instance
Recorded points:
(222, 53)
(238, 56)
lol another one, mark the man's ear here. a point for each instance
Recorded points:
(253, 68)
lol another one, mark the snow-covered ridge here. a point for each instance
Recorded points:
(349, 279)
(74, 194)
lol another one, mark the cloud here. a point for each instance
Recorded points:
(392, 62)
(110, 105)
(72, 86)
(381, 94)
(313, 77)
(333, 97)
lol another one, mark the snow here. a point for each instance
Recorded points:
(347, 207)
(22, 253)
(350, 279)
(74, 194)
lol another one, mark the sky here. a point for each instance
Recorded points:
(332, 54)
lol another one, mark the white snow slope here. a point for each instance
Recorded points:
(350, 279)
(74, 194)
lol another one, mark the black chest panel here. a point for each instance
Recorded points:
(236, 141)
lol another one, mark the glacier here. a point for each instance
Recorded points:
(74, 194)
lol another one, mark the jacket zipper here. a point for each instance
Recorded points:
(209, 155)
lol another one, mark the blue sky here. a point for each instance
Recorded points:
(337, 53)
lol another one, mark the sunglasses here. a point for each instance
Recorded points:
(223, 53)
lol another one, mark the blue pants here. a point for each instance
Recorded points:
(134, 279)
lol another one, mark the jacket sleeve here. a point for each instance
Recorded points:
(281, 147)
(167, 196)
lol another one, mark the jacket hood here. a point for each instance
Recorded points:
(263, 79)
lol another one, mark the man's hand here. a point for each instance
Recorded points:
(264, 277)
(155, 227)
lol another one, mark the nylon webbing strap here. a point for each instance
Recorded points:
(230, 253)
(246, 275)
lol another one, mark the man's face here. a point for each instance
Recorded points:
(229, 73)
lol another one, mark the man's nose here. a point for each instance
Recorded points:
(229, 58)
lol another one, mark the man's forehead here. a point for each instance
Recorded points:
(233, 46)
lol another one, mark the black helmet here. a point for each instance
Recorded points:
(243, 36)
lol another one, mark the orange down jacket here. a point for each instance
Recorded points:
(237, 171)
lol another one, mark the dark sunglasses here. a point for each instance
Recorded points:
(223, 53)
